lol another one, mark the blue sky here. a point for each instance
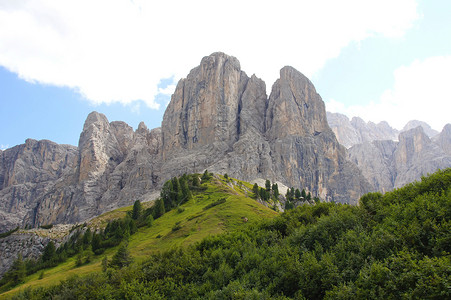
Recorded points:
(60, 60)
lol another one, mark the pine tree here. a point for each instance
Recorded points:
(275, 190)
(297, 194)
(303, 194)
(159, 208)
(255, 190)
(167, 194)
(121, 258)
(49, 252)
(177, 194)
(186, 193)
(17, 272)
(137, 210)
(268, 185)
(195, 181)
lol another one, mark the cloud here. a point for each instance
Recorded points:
(118, 51)
(420, 91)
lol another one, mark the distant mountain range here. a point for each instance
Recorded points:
(390, 159)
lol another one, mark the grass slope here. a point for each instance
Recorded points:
(194, 222)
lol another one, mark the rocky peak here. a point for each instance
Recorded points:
(204, 107)
(411, 142)
(415, 123)
(98, 146)
(294, 107)
(357, 131)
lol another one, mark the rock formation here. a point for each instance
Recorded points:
(388, 164)
(357, 131)
(415, 123)
(218, 119)
(27, 173)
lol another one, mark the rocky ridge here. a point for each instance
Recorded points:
(357, 131)
(218, 119)
(389, 164)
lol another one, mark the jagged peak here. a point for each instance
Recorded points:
(414, 132)
(95, 117)
(142, 126)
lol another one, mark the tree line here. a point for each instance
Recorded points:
(391, 246)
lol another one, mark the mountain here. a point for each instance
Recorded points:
(389, 164)
(357, 131)
(415, 123)
(218, 119)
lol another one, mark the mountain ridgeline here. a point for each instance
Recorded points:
(218, 119)
(390, 159)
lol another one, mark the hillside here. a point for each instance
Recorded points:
(190, 223)
(391, 246)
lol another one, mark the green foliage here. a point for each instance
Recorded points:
(255, 190)
(268, 185)
(137, 210)
(391, 246)
(275, 190)
(8, 233)
(213, 204)
(121, 258)
(49, 253)
(297, 195)
(48, 226)
(206, 176)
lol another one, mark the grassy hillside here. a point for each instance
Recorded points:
(190, 223)
(392, 246)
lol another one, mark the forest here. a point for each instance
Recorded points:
(391, 246)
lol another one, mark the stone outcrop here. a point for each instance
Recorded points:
(218, 119)
(388, 164)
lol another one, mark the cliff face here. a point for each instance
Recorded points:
(27, 172)
(388, 164)
(218, 119)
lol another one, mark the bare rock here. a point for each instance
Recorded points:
(388, 164)
(415, 123)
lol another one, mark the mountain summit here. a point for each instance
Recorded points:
(218, 119)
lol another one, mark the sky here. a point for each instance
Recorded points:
(384, 60)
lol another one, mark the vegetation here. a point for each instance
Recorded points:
(391, 246)
(149, 235)
(8, 233)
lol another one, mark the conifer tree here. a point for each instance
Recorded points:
(137, 210)
(18, 271)
(186, 193)
(159, 208)
(268, 185)
(121, 258)
(275, 190)
(297, 194)
(255, 190)
(49, 252)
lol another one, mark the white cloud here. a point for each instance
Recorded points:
(420, 91)
(120, 50)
